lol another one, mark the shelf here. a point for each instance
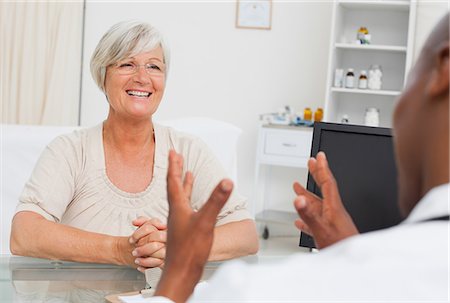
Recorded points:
(366, 91)
(380, 4)
(371, 47)
(277, 216)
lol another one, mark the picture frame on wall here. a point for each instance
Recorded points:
(256, 14)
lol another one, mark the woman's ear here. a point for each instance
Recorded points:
(438, 83)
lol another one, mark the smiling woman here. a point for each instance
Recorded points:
(137, 91)
(99, 194)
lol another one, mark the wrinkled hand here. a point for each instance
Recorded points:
(325, 219)
(190, 234)
(150, 242)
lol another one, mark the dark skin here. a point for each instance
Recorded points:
(422, 157)
(182, 221)
(325, 219)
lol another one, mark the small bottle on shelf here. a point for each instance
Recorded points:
(338, 77)
(350, 79)
(361, 33)
(307, 114)
(362, 83)
(318, 115)
(372, 117)
(375, 77)
(362, 36)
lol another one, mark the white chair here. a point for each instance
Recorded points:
(21, 146)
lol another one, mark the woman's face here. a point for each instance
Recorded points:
(135, 86)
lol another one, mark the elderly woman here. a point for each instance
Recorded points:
(99, 194)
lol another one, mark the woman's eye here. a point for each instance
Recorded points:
(153, 66)
(125, 65)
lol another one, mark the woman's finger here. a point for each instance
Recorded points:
(140, 220)
(147, 249)
(141, 232)
(156, 236)
(160, 254)
(147, 229)
(149, 262)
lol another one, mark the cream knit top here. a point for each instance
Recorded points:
(69, 183)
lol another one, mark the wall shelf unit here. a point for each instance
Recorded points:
(388, 48)
(366, 91)
(391, 25)
(373, 5)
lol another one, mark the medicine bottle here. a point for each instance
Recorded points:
(338, 77)
(362, 83)
(350, 79)
(375, 77)
(372, 117)
(361, 34)
(318, 115)
(307, 114)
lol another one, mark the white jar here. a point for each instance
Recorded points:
(375, 77)
(338, 77)
(372, 117)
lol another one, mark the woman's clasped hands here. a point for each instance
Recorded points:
(149, 241)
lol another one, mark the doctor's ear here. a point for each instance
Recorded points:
(438, 83)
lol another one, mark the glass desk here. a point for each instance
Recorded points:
(39, 280)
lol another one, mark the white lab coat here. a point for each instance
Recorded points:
(408, 262)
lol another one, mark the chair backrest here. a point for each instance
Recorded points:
(21, 146)
(221, 137)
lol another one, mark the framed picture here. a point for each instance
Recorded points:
(256, 14)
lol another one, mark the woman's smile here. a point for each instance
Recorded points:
(139, 93)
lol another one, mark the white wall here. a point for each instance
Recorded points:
(223, 72)
(428, 14)
(233, 74)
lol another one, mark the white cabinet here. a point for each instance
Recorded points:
(287, 146)
(391, 26)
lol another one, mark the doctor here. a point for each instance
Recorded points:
(386, 265)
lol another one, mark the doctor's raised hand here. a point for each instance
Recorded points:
(190, 232)
(325, 219)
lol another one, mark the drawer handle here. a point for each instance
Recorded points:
(289, 145)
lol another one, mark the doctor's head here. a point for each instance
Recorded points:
(421, 121)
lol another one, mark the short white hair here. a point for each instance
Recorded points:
(125, 39)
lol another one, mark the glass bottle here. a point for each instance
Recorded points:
(361, 35)
(338, 77)
(375, 80)
(350, 78)
(362, 83)
(372, 117)
(318, 115)
(307, 114)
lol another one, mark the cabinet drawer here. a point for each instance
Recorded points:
(288, 143)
